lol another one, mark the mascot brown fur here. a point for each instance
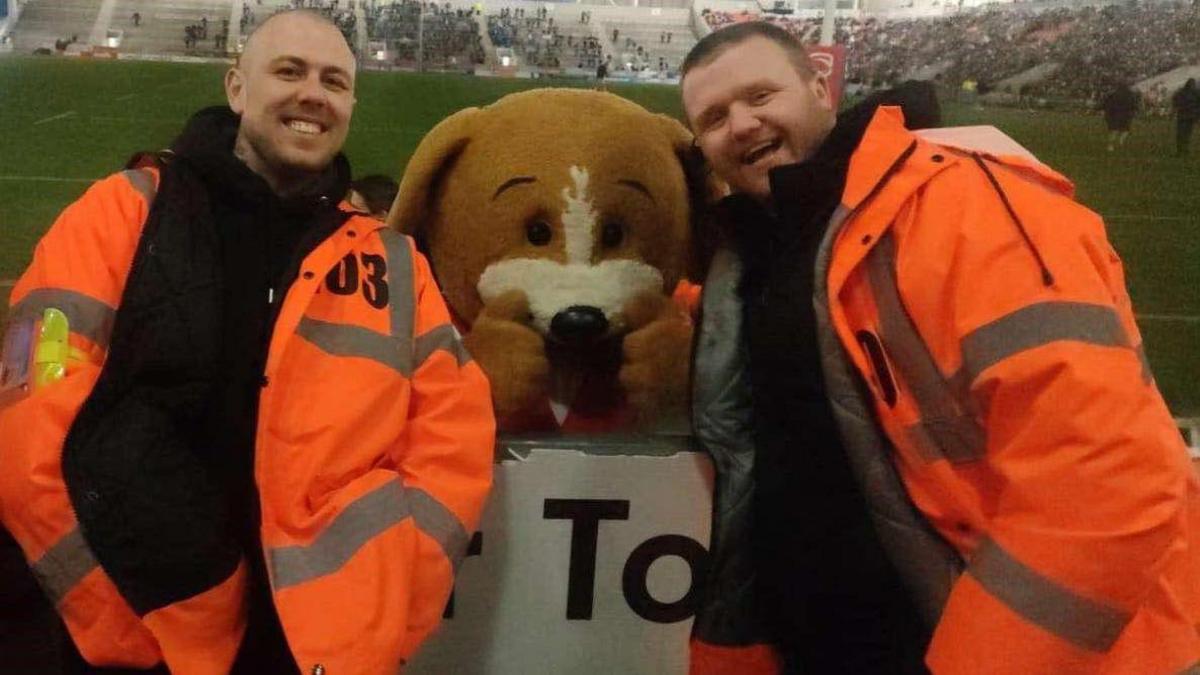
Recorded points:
(558, 224)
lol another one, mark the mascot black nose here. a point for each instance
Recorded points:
(578, 323)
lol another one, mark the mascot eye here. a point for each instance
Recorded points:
(538, 233)
(612, 235)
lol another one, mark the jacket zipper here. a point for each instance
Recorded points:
(267, 394)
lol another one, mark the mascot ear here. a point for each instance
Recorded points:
(429, 162)
(704, 190)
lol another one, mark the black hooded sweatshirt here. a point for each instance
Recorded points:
(263, 240)
(826, 590)
(259, 240)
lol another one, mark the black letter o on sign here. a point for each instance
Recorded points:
(637, 568)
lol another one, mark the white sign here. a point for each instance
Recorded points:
(585, 563)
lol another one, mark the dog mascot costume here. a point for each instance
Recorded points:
(559, 224)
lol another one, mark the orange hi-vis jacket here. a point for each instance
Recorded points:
(1019, 464)
(988, 313)
(372, 462)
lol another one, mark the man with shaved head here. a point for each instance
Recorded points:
(239, 431)
(294, 91)
(939, 444)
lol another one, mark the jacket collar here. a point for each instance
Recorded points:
(916, 106)
(884, 143)
(888, 167)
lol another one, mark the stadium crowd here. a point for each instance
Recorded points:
(450, 37)
(636, 58)
(1096, 48)
(535, 38)
(196, 32)
(538, 40)
(342, 16)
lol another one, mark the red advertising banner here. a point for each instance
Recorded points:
(830, 61)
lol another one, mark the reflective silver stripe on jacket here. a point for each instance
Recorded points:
(441, 338)
(928, 566)
(403, 311)
(402, 299)
(1081, 621)
(948, 427)
(358, 523)
(64, 565)
(1037, 325)
(393, 502)
(950, 430)
(394, 350)
(341, 339)
(142, 181)
(86, 315)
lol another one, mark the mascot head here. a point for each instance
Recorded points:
(575, 207)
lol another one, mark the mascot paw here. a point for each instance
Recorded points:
(511, 354)
(656, 364)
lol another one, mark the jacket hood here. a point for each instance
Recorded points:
(916, 100)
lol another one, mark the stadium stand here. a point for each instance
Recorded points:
(164, 24)
(535, 38)
(646, 43)
(1046, 51)
(345, 16)
(1090, 48)
(538, 38)
(1123, 42)
(44, 23)
(650, 43)
(450, 39)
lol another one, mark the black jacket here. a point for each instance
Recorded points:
(159, 462)
(827, 592)
(1186, 102)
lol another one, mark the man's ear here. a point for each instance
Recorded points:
(434, 155)
(235, 89)
(820, 89)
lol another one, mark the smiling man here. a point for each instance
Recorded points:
(927, 354)
(240, 433)
(293, 90)
(755, 108)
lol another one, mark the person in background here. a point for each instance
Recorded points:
(1186, 103)
(240, 432)
(602, 73)
(921, 380)
(1119, 106)
(373, 194)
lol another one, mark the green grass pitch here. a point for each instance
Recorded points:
(64, 123)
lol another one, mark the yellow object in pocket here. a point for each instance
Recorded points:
(51, 349)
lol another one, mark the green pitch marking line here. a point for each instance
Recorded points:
(1169, 317)
(1139, 216)
(46, 179)
(54, 117)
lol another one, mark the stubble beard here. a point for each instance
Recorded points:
(284, 178)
